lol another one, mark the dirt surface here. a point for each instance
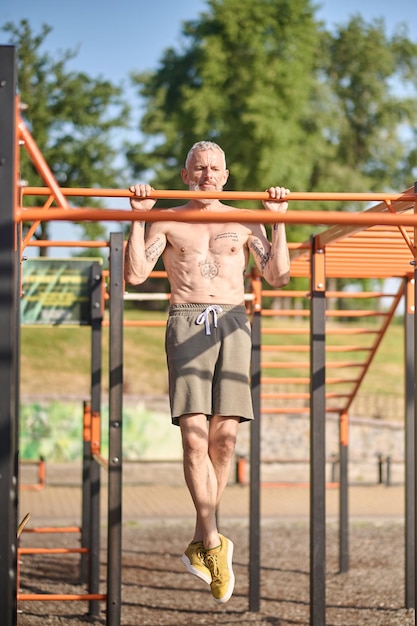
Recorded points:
(158, 591)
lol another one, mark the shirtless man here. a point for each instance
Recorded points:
(208, 341)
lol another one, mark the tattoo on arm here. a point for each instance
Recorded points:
(258, 249)
(154, 250)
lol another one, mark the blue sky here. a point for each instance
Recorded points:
(115, 38)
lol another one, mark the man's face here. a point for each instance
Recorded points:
(205, 171)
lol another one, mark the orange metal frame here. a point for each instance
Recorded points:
(41, 465)
(375, 243)
(91, 435)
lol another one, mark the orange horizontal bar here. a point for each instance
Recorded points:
(329, 331)
(183, 194)
(352, 331)
(285, 395)
(294, 411)
(53, 529)
(285, 312)
(31, 487)
(52, 550)
(48, 243)
(285, 410)
(283, 293)
(291, 484)
(348, 349)
(299, 396)
(291, 380)
(139, 323)
(306, 381)
(191, 215)
(306, 348)
(46, 597)
(354, 313)
(329, 313)
(285, 348)
(285, 331)
(298, 365)
(285, 365)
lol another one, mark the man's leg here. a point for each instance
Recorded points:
(221, 447)
(207, 459)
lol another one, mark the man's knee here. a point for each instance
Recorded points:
(223, 436)
(194, 434)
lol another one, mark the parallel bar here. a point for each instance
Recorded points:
(317, 441)
(361, 219)
(114, 537)
(9, 340)
(52, 550)
(60, 597)
(175, 194)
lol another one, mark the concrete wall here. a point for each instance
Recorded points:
(287, 438)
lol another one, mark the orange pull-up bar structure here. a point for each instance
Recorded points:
(335, 252)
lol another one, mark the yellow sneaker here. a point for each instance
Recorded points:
(194, 560)
(220, 566)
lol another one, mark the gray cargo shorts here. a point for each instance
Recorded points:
(208, 350)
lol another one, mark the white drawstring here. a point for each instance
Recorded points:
(204, 317)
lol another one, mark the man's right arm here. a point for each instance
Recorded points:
(143, 247)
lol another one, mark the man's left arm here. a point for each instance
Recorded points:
(273, 258)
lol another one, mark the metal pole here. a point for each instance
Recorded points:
(94, 467)
(317, 439)
(114, 537)
(9, 342)
(343, 493)
(85, 499)
(255, 456)
(410, 346)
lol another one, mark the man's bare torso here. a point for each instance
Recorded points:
(206, 262)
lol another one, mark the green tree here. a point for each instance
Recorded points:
(72, 118)
(369, 115)
(243, 78)
(287, 100)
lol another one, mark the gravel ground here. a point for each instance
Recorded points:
(158, 591)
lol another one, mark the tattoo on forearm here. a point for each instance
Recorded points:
(263, 256)
(153, 251)
(209, 269)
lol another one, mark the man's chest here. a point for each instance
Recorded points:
(217, 239)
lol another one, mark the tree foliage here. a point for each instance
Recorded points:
(371, 79)
(290, 102)
(242, 66)
(71, 116)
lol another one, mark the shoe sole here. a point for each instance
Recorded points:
(231, 585)
(196, 572)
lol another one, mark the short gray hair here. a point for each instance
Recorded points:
(204, 145)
